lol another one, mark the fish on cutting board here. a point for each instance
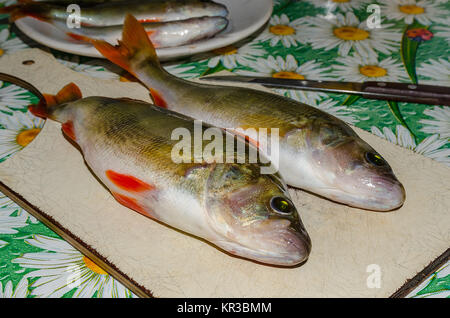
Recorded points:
(162, 34)
(108, 14)
(317, 151)
(128, 145)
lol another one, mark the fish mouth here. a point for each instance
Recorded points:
(376, 193)
(390, 196)
(285, 248)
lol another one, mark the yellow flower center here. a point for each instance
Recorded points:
(411, 9)
(281, 29)
(27, 136)
(372, 71)
(341, 1)
(227, 50)
(291, 75)
(349, 33)
(2, 52)
(93, 267)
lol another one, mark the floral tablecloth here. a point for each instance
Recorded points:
(409, 41)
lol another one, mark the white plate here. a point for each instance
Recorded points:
(245, 17)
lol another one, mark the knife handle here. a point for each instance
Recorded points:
(412, 93)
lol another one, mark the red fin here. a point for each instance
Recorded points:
(39, 109)
(68, 129)
(79, 37)
(130, 203)
(149, 20)
(134, 40)
(68, 93)
(127, 182)
(25, 9)
(247, 138)
(157, 98)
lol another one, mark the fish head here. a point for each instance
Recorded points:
(254, 217)
(352, 172)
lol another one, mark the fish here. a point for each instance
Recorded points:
(128, 146)
(317, 151)
(79, 2)
(162, 34)
(109, 14)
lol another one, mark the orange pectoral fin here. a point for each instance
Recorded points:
(127, 182)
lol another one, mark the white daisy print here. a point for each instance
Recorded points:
(20, 130)
(334, 108)
(21, 290)
(13, 96)
(181, 71)
(3, 243)
(359, 69)
(10, 45)
(438, 71)
(91, 68)
(8, 223)
(61, 268)
(348, 34)
(281, 29)
(424, 11)
(7, 203)
(440, 124)
(443, 272)
(231, 56)
(430, 147)
(443, 31)
(343, 5)
(278, 67)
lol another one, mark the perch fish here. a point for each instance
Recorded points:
(108, 14)
(128, 146)
(162, 34)
(317, 151)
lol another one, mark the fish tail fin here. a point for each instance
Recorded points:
(135, 45)
(26, 8)
(68, 93)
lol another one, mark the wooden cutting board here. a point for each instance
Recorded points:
(350, 247)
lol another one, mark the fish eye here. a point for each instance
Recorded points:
(375, 159)
(281, 205)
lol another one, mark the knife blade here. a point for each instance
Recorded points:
(401, 92)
